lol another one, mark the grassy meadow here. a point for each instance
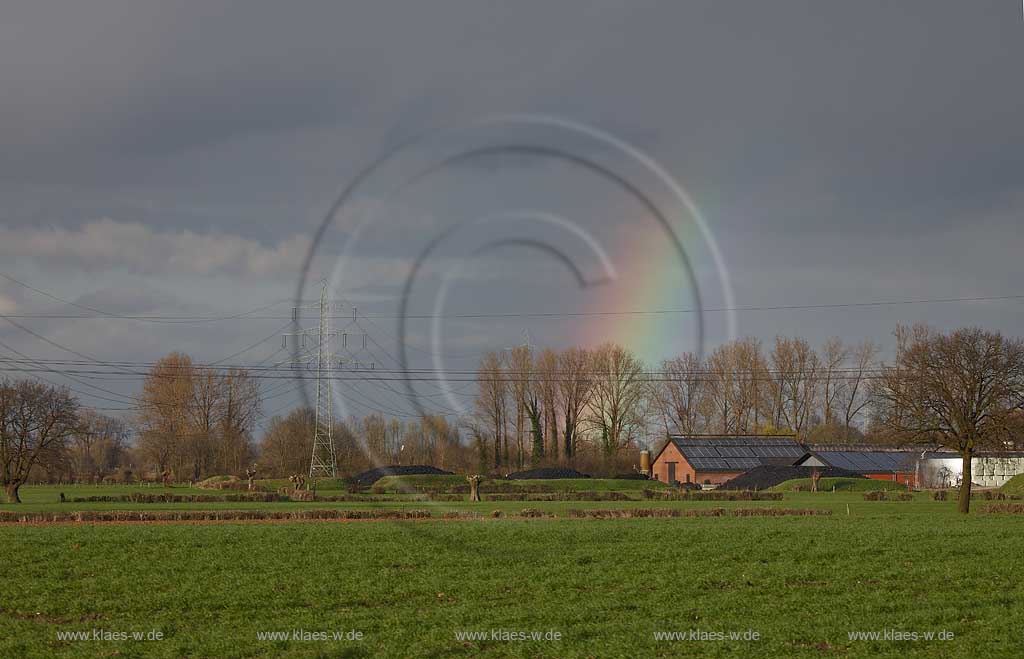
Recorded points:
(606, 586)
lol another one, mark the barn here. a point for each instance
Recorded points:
(879, 463)
(713, 460)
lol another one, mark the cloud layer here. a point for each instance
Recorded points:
(134, 247)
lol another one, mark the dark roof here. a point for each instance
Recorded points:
(732, 453)
(876, 460)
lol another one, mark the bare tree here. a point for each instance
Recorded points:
(682, 393)
(288, 443)
(855, 393)
(960, 390)
(97, 446)
(617, 399)
(735, 375)
(240, 409)
(574, 387)
(546, 377)
(519, 365)
(796, 370)
(833, 356)
(492, 403)
(36, 420)
(163, 418)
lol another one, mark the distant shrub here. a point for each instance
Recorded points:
(904, 496)
(875, 495)
(939, 495)
(460, 514)
(533, 512)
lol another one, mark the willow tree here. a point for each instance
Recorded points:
(961, 390)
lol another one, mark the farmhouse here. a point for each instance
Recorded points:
(713, 460)
(879, 463)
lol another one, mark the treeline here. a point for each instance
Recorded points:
(536, 407)
(592, 409)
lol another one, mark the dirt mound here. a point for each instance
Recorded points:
(368, 478)
(546, 473)
(766, 476)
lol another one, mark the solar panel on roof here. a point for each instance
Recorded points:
(737, 452)
(742, 463)
(705, 464)
(861, 461)
(878, 461)
(837, 460)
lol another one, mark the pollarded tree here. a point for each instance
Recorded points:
(961, 390)
(36, 420)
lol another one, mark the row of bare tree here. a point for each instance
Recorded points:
(545, 406)
(540, 408)
(741, 388)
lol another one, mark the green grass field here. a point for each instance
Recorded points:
(607, 586)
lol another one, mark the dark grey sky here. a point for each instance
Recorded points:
(176, 158)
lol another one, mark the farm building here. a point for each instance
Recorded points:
(713, 460)
(879, 463)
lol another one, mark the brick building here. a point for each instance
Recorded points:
(713, 460)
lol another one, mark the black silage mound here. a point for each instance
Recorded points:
(766, 476)
(368, 478)
(547, 473)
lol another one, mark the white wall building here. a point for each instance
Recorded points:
(937, 470)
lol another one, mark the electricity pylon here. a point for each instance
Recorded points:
(323, 462)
